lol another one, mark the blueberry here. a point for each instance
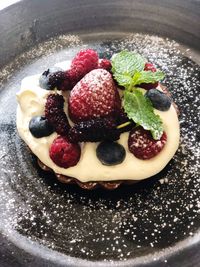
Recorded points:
(110, 153)
(40, 127)
(159, 100)
(45, 80)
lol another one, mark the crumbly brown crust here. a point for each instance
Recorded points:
(102, 184)
(86, 185)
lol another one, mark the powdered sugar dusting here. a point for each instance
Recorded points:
(47, 48)
(152, 216)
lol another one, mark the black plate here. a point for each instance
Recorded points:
(141, 224)
(154, 223)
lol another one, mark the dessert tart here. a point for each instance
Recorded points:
(99, 122)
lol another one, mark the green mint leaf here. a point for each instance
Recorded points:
(128, 71)
(127, 63)
(123, 79)
(147, 77)
(140, 110)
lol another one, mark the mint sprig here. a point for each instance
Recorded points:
(147, 77)
(140, 110)
(128, 71)
(127, 63)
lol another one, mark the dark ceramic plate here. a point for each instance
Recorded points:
(153, 223)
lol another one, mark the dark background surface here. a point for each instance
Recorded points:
(28, 23)
(13, 256)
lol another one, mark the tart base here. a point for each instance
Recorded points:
(86, 185)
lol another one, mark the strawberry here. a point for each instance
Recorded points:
(94, 96)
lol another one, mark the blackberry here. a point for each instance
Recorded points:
(94, 130)
(54, 78)
(55, 114)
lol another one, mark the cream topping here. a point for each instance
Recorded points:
(31, 99)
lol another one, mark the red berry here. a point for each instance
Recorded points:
(105, 64)
(149, 67)
(83, 62)
(142, 145)
(63, 153)
(94, 96)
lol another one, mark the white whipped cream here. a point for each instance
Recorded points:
(32, 98)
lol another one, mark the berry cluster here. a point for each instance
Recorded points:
(94, 105)
(83, 63)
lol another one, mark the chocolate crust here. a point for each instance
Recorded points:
(86, 185)
(100, 184)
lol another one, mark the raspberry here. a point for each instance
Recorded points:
(105, 64)
(94, 130)
(83, 62)
(63, 153)
(142, 145)
(149, 67)
(94, 96)
(55, 114)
